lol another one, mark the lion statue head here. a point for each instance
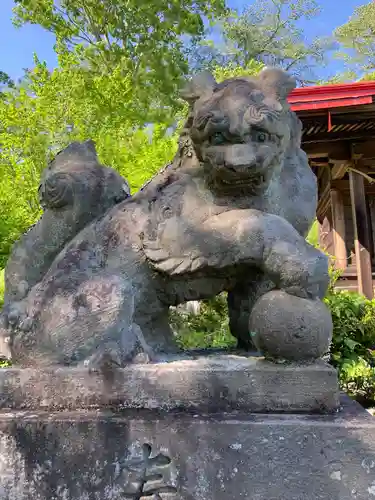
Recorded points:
(242, 129)
(75, 189)
(75, 179)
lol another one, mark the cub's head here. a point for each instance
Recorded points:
(76, 181)
(242, 128)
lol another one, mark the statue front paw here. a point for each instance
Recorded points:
(17, 323)
(14, 314)
(109, 358)
(103, 360)
(5, 353)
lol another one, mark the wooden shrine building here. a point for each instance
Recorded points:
(339, 139)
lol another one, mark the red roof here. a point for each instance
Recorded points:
(332, 96)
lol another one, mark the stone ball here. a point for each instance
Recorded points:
(292, 328)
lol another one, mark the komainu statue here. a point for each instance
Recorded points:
(94, 279)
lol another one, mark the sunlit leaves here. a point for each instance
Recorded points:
(357, 38)
(51, 109)
(269, 32)
(252, 68)
(142, 39)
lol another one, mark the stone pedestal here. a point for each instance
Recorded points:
(83, 437)
(217, 382)
(110, 456)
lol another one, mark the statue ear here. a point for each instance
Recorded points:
(276, 83)
(200, 84)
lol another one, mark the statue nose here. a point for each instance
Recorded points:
(240, 155)
(217, 117)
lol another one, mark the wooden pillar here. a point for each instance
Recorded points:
(338, 229)
(326, 235)
(362, 230)
(371, 203)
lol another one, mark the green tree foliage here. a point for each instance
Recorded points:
(51, 109)
(142, 41)
(119, 66)
(269, 32)
(369, 76)
(341, 77)
(1, 287)
(5, 81)
(252, 68)
(357, 39)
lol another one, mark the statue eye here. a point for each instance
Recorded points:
(261, 136)
(217, 139)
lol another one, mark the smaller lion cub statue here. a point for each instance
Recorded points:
(229, 214)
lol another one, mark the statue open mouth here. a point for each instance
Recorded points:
(255, 180)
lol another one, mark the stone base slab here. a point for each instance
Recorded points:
(207, 383)
(141, 454)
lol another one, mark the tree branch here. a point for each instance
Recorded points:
(81, 34)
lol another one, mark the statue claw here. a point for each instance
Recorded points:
(103, 360)
(142, 358)
(5, 354)
(26, 324)
(14, 315)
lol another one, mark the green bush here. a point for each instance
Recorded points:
(352, 349)
(313, 236)
(209, 328)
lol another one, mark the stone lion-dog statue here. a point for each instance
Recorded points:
(94, 279)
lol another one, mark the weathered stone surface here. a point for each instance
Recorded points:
(229, 214)
(289, 327)
(85, 455)
(219, 382)
(74, 190)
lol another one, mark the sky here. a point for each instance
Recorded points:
(18, 45)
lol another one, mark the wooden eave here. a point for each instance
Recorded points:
(338, 121)
(339, 139)
(331, 96)
(335, 112)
